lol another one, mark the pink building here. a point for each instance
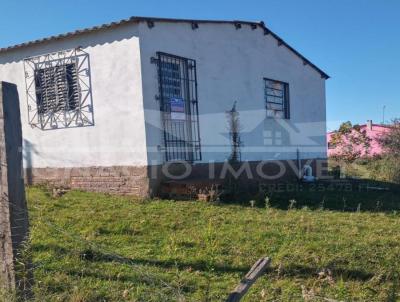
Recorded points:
(372, 131)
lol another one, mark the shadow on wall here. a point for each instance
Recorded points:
(28, 149)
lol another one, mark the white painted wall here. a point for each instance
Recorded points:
(231, 65)
(118, 136)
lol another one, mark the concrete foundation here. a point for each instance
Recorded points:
(121, 180)
(147, 181)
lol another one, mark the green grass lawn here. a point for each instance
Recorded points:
(93, 247)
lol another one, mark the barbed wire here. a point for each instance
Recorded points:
(159, 286)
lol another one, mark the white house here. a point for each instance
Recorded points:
(104, 107)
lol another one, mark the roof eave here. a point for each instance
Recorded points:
(156, 19)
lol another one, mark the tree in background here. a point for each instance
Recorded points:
(391, 141)
(389, 166)
(351, 142)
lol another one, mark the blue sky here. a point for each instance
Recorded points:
(356, 42)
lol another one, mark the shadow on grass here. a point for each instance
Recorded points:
(96, 256)
(301, 271)
(136, 277)
(337, 195)
(294, 270)
(91, 255)
(39, 247)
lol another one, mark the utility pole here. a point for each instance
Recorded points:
(383, 114)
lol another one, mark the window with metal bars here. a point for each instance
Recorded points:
(277, 99)
(179, 107)
(57, 88)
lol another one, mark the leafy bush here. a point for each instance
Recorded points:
(389, 166)
(385, 169)
(390, 141)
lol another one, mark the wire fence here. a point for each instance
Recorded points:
(31, 289)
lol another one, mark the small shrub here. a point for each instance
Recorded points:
(385, 169)
(292, 204)
(267, 202)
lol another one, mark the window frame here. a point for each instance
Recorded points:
(180, 144)
(74, 109)
(285, 101)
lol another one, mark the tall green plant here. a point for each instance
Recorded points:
(234, 134)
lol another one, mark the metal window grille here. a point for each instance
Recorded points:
(277, 99)
(59, 90)
(179, 107)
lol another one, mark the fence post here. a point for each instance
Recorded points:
(255, 272)
(13, 209)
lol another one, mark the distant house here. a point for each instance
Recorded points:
(103, 107)
(371, 130)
